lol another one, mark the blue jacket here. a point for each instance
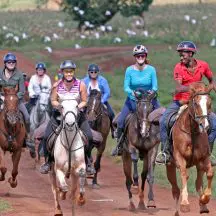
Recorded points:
(103, 86)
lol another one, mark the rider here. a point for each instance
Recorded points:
(10, 76)
(76, 88)
(37, 82)
(141, 75)
(187, 71)
(95, 81)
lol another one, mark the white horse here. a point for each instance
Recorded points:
(39, 119)
(69, 158)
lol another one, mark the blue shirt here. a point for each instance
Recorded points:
(145, 79)
(103, 86)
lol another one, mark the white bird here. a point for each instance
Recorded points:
(81, 12)
(76, 8)
(107, 13)
(145, 32)
(87, 23)
(102, 28)
(109, 28)
(49, 49)
(97, 35)
(4, 27)
(117, 40)
(138, 23)
(193, 21)
(55, 36)
(16, 38)
(204, 17)
(130, 32)
(60, 24)
(9, 35)
(187, 18)
(213, 42)
(82, 36)
(24, 36)
(77, 46)
(47, 39)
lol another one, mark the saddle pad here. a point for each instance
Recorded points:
(155, 115)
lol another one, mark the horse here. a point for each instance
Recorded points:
(140, 135)
(39, 118)
(12, 133)
(69, 157)
(191, 148)
(99, 121)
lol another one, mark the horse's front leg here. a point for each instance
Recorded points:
(150, 178)
(63, 187)
(3, 168)
(143, 177)
(134, 157)
(95, 184)
(52, 175)
(15, 159)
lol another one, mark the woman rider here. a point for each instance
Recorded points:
(68, 84)
(141, 75)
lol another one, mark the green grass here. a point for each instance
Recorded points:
(4, 206)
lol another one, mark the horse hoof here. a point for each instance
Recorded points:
(185, 208)
(134, 189)
(58, 212)
(176, 213)
(141, 206)
(151, 204)
(2, 178)
(204, 199)
(95, 186)
(81, 200)
(13, 184)
(203, 209)
(62, 195)
(64, 189)
(131, 207)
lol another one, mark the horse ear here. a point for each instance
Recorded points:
(16, 88)
(210, 87)
(5, 90)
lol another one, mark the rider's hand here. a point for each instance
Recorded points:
(59, 108)
(137, 94)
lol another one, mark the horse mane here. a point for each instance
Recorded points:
(94, 92)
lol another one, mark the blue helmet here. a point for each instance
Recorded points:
(67, 64)
(187, 46)
(40, 65)
(93, 67)
(9, 57)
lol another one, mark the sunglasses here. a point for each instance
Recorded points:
(11, 62)
(68, 71)
(140, 56)
(93, 72)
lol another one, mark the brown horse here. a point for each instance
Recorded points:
(191, 148)
(141, 135)
(12, 134)
(99, 121)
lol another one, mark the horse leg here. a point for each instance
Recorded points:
(95, 185)
(58, 211)
(127, 165)
(2, 165)
(171, 175)
(63, 185)
(150, 177)
(135, 186)
(15, 159)
(205, 197)
(74, 182)
(144, 173)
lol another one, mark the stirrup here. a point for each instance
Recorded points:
(165, 156)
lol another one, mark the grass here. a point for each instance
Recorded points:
(4, 206)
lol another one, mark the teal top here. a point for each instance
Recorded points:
(145, 79)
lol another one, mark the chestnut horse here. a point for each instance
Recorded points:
(191, 148)
(143, 136)
(12, 134)
(99, 121)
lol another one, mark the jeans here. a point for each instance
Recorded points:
(110, 110)
(130, 106)
(24, 111)
(212, 134)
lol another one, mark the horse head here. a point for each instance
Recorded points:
(200, 104)
(94, 105)
(11, 102)
(143, 108)
(69, 112)
(43, 99)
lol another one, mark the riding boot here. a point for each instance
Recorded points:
(213, 160)
(46, 167)
(164, 156)
(119, 146)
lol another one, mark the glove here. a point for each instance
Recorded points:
(137, 94)
(150, 91)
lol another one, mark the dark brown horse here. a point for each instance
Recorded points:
(99, 121)
(141, 135)
(12, 134)
(191, 148)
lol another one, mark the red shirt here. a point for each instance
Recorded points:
(181, 73)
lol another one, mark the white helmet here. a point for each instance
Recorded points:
(140, 49)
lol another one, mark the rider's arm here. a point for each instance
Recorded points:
(127, 81)
(106, 94)
(209, 75)
(54, 97)
(21, 87)
(83, 95)
(154, 80)
(49, 84)
(30, 87)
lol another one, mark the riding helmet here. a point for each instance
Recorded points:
(187, 46)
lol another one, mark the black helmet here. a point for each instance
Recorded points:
(9, 57)
(67, 64)
(93, 67)
(40, 65)
(187, 46)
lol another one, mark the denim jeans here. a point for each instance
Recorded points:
(110, 110)
(130, 107)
